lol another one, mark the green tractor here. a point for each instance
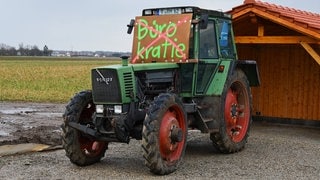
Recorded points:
(183, 74)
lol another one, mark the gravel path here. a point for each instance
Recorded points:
(272, 152)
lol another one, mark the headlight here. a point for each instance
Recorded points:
(99, 108)
(117, 109)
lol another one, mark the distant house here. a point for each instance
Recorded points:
(285, 42)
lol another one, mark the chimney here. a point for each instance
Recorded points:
(249, 1)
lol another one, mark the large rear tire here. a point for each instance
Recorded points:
(235, 119)
(164, 134)
(80, 148)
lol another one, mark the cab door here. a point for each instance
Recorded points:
(208, 57)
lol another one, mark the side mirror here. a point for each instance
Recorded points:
(203, 21)
(130, 26)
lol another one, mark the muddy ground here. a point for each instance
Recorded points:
(30, 123)
(272, 152)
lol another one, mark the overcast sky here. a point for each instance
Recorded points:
(93, 24)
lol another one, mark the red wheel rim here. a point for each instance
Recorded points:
(237, 112)
(173, 118)
(89, 147)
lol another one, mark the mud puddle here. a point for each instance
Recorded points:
(26, 111)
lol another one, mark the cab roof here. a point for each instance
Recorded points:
(183, 10)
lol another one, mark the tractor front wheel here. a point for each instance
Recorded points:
(164, 134)
(80, 148)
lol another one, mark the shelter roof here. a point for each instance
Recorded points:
(307, 23)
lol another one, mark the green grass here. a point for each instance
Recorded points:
(45, 79)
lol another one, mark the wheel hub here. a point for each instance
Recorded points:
(176, 134)
(170, 136)
(234, 111)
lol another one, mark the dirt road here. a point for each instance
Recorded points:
(272, 152)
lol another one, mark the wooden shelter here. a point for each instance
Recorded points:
(285, 42)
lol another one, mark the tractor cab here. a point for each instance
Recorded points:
(181, 35)
(199, 40)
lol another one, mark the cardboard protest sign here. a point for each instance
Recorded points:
(162, 38)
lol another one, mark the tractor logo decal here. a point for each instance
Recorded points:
(102, 79)
(164, 38)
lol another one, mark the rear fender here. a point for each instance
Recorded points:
(250, 68)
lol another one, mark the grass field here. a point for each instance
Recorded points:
(45, 79)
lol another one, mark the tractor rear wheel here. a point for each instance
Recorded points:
(164, 134)
(235, 119)
(80, 148)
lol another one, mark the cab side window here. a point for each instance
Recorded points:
(225, 39)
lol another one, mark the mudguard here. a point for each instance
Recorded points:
(250, 68)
